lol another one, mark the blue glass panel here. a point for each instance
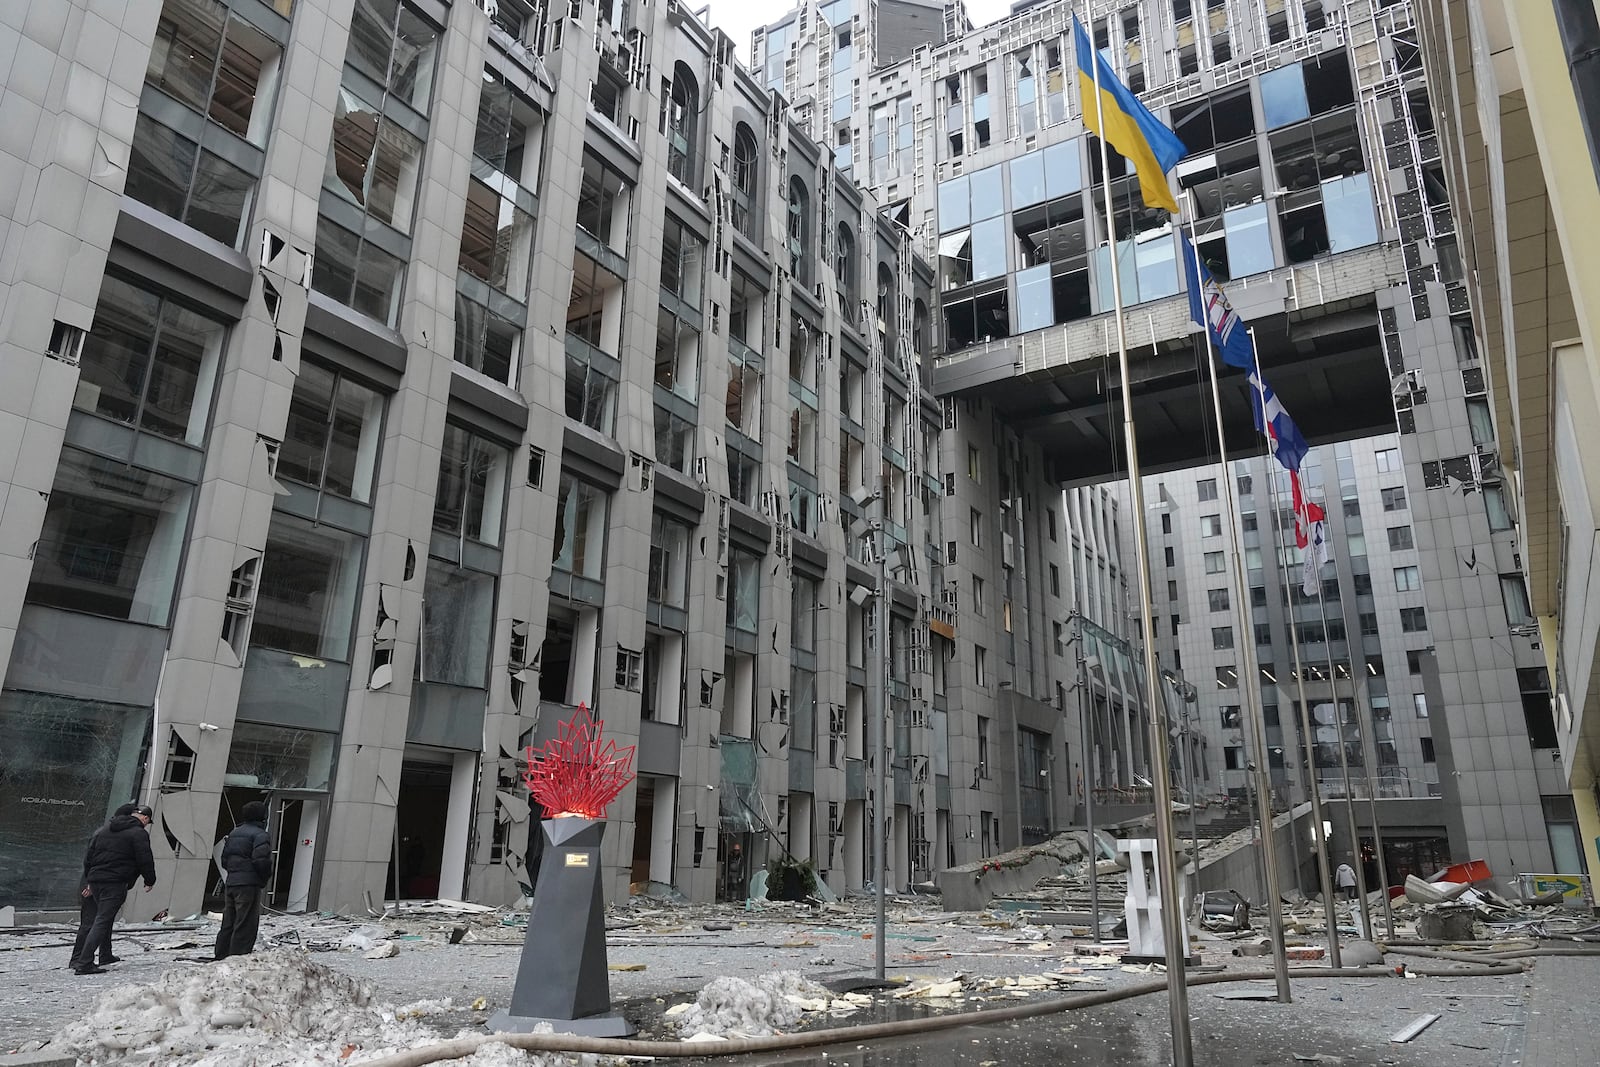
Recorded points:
(988, 249)
(1063, 168)
(1248, 240)
(1156, 259)
(1027, 179)
(1035, 309)
(1347, 210)
(1283, 97)
(953, 211)
(988, 193)
(1128, 270)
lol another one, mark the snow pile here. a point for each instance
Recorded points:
(732, 1007)
(271, 1009)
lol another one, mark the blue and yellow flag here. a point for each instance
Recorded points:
(1142, 138)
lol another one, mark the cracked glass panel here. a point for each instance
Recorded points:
(278, 757)
(64, 766)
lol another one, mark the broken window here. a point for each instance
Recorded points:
(149, 363)
(580, 533)
(746, 161)
(112, 540)
(603, 203)
(278, 757)
(669, 561)
(677, 361)
(744, 590)
(65, 765)
(591, 392)
(743, 402)
(331, 440)
(608, 95)
(980, 314)
(178, 772)
(457, 622)
(682, 115)
(674, 435)
(799, 231)
(310, 582)
(470, 496)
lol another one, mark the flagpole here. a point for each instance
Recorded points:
(1344, 759)
(1250, 683)
(1369, 757)
(1177, 949)
(1318, 834)
(1372, 815)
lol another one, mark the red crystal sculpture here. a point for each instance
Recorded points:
(577, 773)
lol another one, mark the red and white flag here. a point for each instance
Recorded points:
(1310, 533)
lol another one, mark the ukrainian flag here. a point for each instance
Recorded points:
(1142, 139)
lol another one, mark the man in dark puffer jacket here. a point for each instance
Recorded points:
(246, 865)
(119, 855)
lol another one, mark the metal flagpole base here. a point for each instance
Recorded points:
(562, 978)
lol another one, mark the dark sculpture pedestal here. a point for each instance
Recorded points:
(562, 978)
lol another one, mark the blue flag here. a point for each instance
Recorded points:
(1284, 439)
(1209, 307)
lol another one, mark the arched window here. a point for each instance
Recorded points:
(844, 269)
(683, 112)
(919, 326)
(886, 308)
(745, 160)
(799, 231)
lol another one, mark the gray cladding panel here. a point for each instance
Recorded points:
(447, 716)
(659, 747)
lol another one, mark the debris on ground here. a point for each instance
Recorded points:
(277, 1008)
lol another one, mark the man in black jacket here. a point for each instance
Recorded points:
(119, 855)
(246, 866)
(87, 908)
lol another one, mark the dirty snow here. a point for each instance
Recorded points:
(279, 1007)
(733, 1007)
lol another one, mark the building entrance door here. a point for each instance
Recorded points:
(294, 823)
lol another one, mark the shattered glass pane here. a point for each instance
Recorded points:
(277, 757)
(737, 797)
(65, 765)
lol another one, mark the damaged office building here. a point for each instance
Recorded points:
(385, 378)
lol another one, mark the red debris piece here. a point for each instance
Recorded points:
(577, 773)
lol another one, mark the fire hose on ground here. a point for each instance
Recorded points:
(1489, 961)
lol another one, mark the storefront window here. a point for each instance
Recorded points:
(64, 766)
(279, 757)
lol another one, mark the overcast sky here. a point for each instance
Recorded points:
(737, 18)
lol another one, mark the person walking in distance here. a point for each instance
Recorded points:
(1345, 878)
(246, 867)
(119, 855)
(87, 909)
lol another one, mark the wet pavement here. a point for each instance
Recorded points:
(1348, 1023)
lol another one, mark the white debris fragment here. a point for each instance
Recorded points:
(382, 950)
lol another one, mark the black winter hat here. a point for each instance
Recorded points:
(255, 811)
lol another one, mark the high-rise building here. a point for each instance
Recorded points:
(1359, 648)
(1312, 174)
(1516, 88)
